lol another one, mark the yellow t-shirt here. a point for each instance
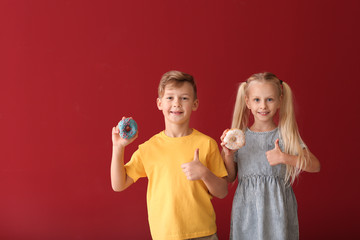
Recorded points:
(177, 207)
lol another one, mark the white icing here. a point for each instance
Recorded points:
(234, 139)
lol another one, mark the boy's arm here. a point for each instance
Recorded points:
(216, 186)
(119, 179)
(195, 170)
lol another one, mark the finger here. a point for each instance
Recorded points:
(184, 165)
(196, 155)
(277, 144)
(115, 130)
(224, 134)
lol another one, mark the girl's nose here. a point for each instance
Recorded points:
(263, 104)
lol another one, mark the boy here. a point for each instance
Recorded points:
(184, 167)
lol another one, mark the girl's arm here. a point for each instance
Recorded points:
(228, 157)
(119, 179)
(231, 166)
(276, 156)
(195, 170)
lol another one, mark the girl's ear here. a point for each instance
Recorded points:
(158, 103)
(247, 101)
(195, 105)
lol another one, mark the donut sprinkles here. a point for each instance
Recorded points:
(234, 139)
(128, 128)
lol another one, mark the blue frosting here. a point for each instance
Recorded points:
(128, 128)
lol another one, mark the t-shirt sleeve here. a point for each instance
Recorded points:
(135, 168)
(215, 161)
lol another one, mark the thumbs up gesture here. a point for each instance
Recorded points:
(275, 156)
(194, 170)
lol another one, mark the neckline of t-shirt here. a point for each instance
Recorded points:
(275, 129)
(178, 138)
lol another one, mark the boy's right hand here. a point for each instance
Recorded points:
(119, 141)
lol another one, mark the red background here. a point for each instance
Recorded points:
(70, 70)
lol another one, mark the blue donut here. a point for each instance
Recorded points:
(128, 128)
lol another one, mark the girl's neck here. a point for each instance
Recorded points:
(263, 127)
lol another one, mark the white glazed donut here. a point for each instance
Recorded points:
(234, 139)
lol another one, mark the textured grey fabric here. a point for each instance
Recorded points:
(264, 207)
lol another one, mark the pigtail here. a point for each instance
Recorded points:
(241, 113)
(290, 134)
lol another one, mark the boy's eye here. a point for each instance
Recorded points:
(256, 99)
(169, 98)
(184, 98)
(270, 99)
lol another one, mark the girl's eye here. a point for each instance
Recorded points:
(169, 98)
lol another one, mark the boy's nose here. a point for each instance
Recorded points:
(176, 102)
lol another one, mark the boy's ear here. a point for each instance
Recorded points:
(195, 105)
(158, 103)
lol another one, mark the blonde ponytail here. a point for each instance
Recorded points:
(290, 135)
(241, 113)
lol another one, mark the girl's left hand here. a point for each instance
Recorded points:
(275, 156)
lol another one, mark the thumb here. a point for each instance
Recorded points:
(196, 155)
(277, 144)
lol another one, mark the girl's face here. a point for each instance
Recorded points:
(263, 100)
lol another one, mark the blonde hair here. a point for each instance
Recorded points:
(178, 78)
(288, 128)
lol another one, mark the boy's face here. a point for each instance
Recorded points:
(177, 103)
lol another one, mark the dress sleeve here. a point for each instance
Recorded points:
(135, 167)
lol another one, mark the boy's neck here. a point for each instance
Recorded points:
(177, 131)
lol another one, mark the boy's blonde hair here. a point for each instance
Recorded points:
(178, 78)
(288, 128)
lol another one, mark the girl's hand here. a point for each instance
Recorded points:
(227, 151)
(275, 156)
(119, 141)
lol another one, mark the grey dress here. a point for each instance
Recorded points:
(264, 207)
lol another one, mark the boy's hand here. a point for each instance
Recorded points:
(275, 155)
(119, 141)
(194, 170)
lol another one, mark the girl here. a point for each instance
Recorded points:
(264, 205)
